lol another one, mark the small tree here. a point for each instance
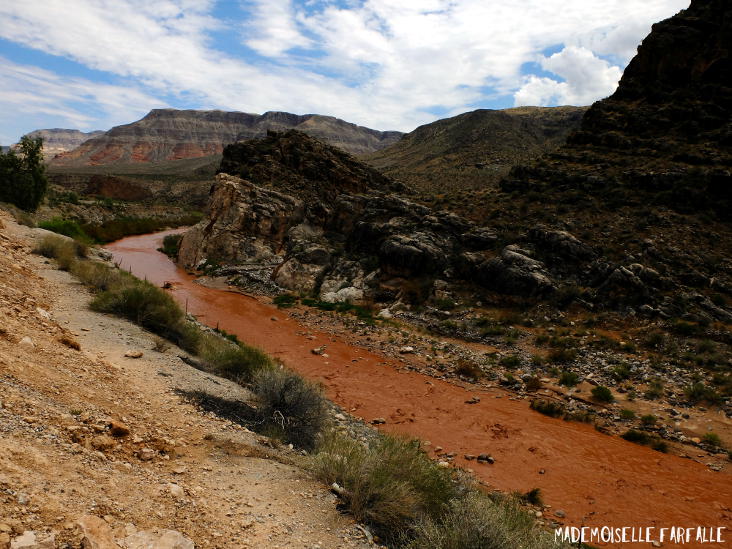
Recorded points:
(22, 175)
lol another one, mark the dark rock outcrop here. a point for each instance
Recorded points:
(647, 179)
(312, 218)
(665, 135)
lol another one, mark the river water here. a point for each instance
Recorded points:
(596, 479)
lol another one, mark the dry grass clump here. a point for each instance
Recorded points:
(64, 250)
(411, 501)
(70, 343)
(290, 408)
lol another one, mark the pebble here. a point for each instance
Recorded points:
(378, 421)
(27, 343)
(133, 354)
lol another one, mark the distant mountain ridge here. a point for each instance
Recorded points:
(170, 134)
(474, 149)
(61, 140)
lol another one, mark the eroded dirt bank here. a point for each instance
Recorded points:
(89, 436)
(594, 479)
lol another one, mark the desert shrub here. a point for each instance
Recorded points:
(602, 394)
(231, 359)
(654, 340)
(171, 245)
(97, 275)
(697, 392)
(65, 251)
(621, 372)
(659, 445)
(706, 346)
(479, 521)
(389, 484)
(648, 419)
(284, 301)
(568, 379)
(510, 361)
(633, 435)
(469, 369)
(533, 384)
(655, 389)
(532, 497)
(548, 407)
(290, 407)
(562, 355)
(684, 328)
(712, 438)
(627, 414)
(143, 303)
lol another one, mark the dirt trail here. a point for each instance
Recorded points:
(595, 479)
(178, 469)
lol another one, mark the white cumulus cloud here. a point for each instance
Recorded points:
(584, 79)
(379, 63)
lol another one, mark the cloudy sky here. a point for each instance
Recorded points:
(386, 64)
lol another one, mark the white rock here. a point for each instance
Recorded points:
(165, 539)
(176, 491)
(27, 343)
(32, 540)
(43, 313)
(385, 313)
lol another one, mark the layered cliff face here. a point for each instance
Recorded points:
(58, 141)
(169, 134)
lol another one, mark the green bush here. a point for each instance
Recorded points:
(117, 228)
(230, 359)
(568, 379)
(66, 227)
(713, 439)
(602, 394)
(562, 355)
(171, 245)
(285, 301)
(697, 392)
(655, 389)
(633, 435)
(22, 176)
(621, 372)
(648, 419)
(548, 407)
(290, 407)
(627, 414)
(510, 361)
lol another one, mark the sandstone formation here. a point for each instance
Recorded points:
(57, 140)
(169, 134)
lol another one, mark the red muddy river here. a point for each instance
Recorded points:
(597, 480)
